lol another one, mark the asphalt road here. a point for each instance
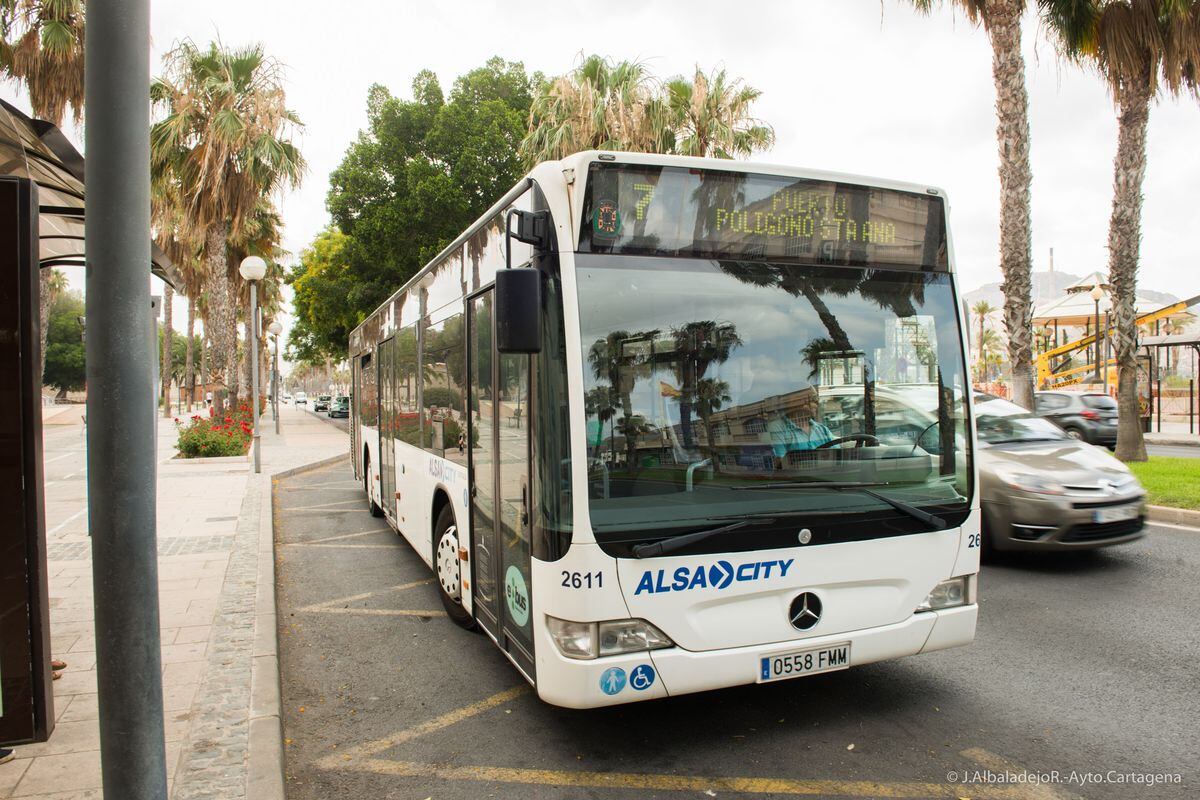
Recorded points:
(1173, 450)
(1083, 662)
(341, 423)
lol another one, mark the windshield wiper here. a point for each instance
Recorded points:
(673, 543)
(899, 505)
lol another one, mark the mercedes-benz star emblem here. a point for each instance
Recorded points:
(805, 611)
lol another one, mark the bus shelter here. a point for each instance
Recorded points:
(42, 208)
(1164, 353)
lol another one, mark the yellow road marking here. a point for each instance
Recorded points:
(324, 506)
(341, 536)
(363, 758)
(344, 546)
(336, 606)
(677, 783)
(368, 749)
(995, 763)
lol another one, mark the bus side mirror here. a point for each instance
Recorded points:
(519, 310)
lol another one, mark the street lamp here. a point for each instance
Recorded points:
(275, 329)
(253, 269)
(1096, 294)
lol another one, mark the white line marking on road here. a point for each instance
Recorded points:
(56, 458)
(322, 505)
(1173, 525)
(66, 522)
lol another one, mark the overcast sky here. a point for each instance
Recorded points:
(858, 86)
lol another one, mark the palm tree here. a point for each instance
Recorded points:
(983, 311)
(696, 346)
(989, 353)
(41, 47)
(600, 105)
(710, 117)
(1141, 48)
(1001, 19)
(225, 138)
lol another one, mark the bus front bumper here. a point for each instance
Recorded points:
(580, 684)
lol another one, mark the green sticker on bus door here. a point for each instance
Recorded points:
(516, 595)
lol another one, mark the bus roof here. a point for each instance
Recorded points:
(576, 164)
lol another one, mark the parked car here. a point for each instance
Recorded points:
(340, 407)
(301, 399)
(1088, 416)
(287, 399)
(322, 402)
(1043, 489)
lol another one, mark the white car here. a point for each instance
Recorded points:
(301, 399)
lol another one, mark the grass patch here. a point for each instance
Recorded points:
(1170, 481)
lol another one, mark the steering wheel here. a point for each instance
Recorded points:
(862, 440)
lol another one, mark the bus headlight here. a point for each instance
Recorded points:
(948, 594)
(585, 640)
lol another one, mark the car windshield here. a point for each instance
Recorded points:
(1100, 401)
(1001, 422)
(705, 377)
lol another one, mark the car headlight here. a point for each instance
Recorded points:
(948, 594)
(1030, 482)
(585, 640)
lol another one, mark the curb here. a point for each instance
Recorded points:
(265, 755)
(1174, 442)
(1176, 516)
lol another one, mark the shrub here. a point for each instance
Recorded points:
(442, 397)
(212, 437)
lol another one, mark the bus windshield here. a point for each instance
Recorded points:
(704, 378)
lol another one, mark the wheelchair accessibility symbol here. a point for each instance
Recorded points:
(641, 677)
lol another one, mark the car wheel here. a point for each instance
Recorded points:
(1076, 434)
(376, 511)
(448, 568)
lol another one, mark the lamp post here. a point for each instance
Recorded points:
(1096, 294)
(253, 269)
(275, 329)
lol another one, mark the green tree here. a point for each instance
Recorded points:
(324, 316)
(1141, 48)
(1001, 19)
(421, 172)
(225, 138)
(65, 367)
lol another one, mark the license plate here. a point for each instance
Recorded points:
(803, 662)
(1116, 513)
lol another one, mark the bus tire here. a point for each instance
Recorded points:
(448, 569)
(376, 511)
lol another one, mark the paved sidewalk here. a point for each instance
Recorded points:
(217, 617)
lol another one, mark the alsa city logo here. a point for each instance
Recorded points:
(719, 576)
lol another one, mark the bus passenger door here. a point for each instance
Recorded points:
(499, 435)
(387, 429)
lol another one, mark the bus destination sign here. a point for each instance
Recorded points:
(635, 209)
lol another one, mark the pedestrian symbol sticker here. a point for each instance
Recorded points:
(642, 677)
(516, 595)
(612, 680)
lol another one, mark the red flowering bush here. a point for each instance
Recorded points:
(211, 436)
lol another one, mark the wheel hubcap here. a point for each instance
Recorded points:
(448, 571)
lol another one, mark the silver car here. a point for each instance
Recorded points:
(1043, 490)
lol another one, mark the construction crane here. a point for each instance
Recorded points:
(1053, 375)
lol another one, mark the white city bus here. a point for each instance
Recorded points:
(678, 436)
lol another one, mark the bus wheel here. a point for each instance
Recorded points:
(448, 568)
(376, 511)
